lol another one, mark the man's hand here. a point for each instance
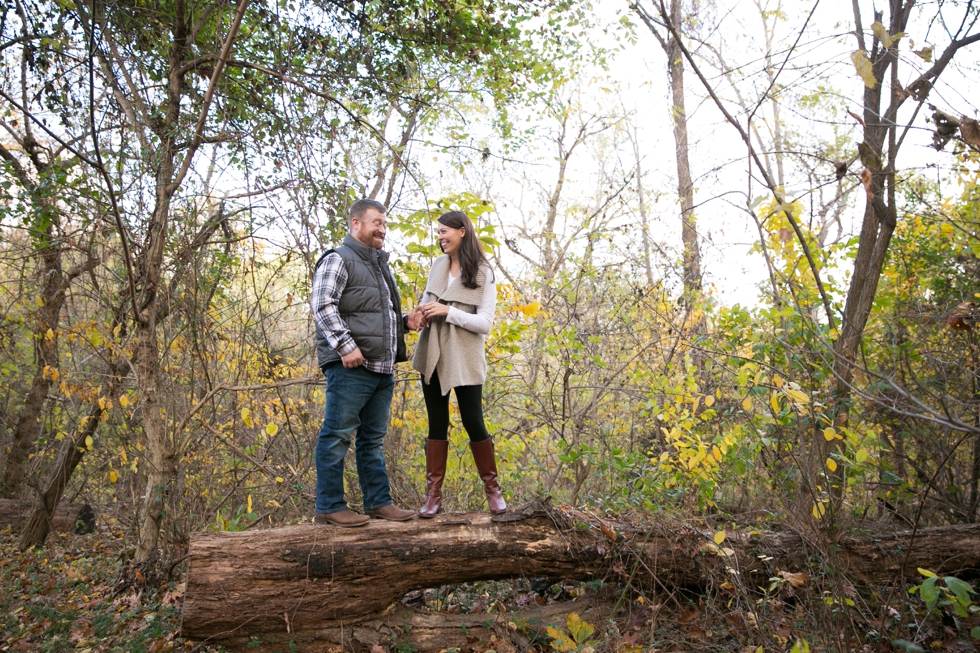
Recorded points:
(353, 359)
(415, 320)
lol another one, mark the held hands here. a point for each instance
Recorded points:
(423, 315)
(415, 321)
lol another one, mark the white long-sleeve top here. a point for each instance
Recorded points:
(479, 322)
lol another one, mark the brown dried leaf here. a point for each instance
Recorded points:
(172, 598)
(856, 117)
(796, 580)
(608, 532)
(688, 617)
(866, 178)
(158, 646)
(962, 318)
(970, 131)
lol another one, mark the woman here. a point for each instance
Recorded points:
(455, 315)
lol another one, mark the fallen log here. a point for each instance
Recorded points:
(401, 627)
(77, 518)
(314, 578)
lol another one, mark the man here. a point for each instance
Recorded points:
(360, 335)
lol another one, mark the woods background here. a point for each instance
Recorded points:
(171, 171)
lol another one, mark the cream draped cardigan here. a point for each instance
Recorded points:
(457, 354)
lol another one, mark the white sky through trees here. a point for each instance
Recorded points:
(818, 85)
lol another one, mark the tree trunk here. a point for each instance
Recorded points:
(40, 522)
(45, 336)
(305, 578)
(685, 185)
(77, 518)
(161, 467)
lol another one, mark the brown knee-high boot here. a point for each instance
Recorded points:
(436, 453)
(486, 466)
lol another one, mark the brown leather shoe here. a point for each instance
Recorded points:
(391, 512)
(436, 453)
(344, 518)
(486, 466)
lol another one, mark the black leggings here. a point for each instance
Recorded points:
(470, 400)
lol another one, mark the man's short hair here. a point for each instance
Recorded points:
(360, 207)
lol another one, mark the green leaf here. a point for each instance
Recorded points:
(960, 588)
(929, 593)
(975, 632)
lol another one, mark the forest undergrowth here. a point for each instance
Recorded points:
(74, 595)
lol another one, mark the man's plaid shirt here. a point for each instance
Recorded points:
(329, 282)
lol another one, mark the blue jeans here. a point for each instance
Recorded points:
(357, 399)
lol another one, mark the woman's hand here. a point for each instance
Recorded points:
(433, 309)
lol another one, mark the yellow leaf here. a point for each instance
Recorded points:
(832, 464)
(798, 396)
(818, 510)
(778, 381)
(60, 436)
(272, 503)
(864, 68)
(720, 536)
(747, 404)
(579, 629)
(89, 442)
(39, 302)
(829, 434)
(716, 452)
(271, 428)
(926, 573)
(925, 54)
(774, 402)
(709, 401)
(249, 503)
(279, 479)
(113, 476)
(882, 34)
(50, 334)
(123, 401)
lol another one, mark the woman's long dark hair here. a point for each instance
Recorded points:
(470, 250)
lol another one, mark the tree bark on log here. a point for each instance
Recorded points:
(315, 578)
(77, 518)
(426, 632)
